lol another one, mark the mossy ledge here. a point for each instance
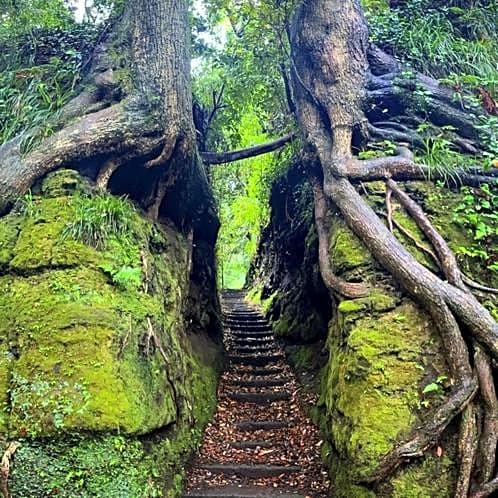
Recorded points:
(101, 383)
(381, 350)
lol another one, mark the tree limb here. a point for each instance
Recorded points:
(237, 155)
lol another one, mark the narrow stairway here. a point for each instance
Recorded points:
(260, 443)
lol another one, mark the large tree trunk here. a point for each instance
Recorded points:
(331, 78)
(135, 110)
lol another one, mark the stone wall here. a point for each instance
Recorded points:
(102, 382)
(382, 350)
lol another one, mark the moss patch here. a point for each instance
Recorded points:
(79, 354)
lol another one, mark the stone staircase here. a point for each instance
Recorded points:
(260, 443)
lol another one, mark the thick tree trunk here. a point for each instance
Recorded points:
(143, 119)
(330, 82)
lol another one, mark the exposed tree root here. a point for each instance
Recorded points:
(467, 448)
(389, 208)
(486, 459)
(322, 222)
(410, 236)
(329, 103)
(486, 489)
(105, 173)
(426, 435)
(445, 255)
(401, 168)
(5, 468)
(170, 141)
(477, 286)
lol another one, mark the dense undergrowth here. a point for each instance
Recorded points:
(43, 54)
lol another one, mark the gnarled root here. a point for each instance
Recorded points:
(426, 435)
(322, 222)
(445, 255)
(5, 468)
(486, 457)
(467, 448)
(105, 173)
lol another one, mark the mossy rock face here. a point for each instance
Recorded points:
(92, 340)
(383, 351)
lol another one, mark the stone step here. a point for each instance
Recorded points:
(257, 372)
(248, 328)
(240, 492)
(232, 324)
(266, 343)
(251, 334)
(253, 341)
(251, 445)
(261, 397)
(254, 349)
(269, 382)
(261, 425)
(256, 360)
(243, 314)
(252, 471)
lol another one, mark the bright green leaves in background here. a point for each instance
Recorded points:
(243, 190)
(456, 40)
(250, 65)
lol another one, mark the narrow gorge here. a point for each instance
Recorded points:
(248, 249)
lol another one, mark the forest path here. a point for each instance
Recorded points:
(260, 443)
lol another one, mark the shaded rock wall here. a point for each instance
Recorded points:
(382, 350)
(284, 274)
(104, 380)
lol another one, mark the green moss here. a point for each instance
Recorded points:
(40, 245)
(371, 388)
(347, 250)
(303, 357)
(9, 232)
(77, 355)
(62, 183)
(82, 333)
(375, 301)
(432, 477)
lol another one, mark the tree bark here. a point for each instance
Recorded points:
(146, 121)
(330, 83)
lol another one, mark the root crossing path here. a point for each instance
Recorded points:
(260, 443)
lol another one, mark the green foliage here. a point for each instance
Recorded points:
(437, 386)
(99, 217)
(440, 155)
(111, 465)
(56, 400)
(22, 16)
(478, 215)
(242, 190)
(126, 277)
(248, 63)
(42, 52)
(440, 39)
(36, 93)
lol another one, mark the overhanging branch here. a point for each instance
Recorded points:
(257, 150)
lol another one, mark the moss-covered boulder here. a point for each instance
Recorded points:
(385, 369)
(383, 353)
(93, 340)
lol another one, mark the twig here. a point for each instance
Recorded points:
(389, 208)
(5, 468)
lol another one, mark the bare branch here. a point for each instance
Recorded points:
(257, 150)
